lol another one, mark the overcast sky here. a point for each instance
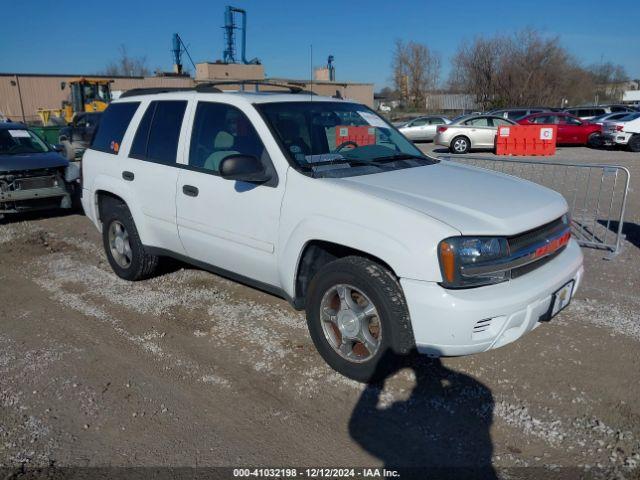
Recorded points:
(41, 36)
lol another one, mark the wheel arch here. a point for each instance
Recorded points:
(316, 253)
(105, 188)
(467, 137)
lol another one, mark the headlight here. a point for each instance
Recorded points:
(457, 252)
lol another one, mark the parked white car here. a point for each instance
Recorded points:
(423, 128)
(624, 132)
(321, 202)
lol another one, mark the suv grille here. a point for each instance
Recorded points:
(534, 236)
(530, 238)
(31, 183)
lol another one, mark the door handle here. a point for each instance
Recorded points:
(190, 191)
(128, 176)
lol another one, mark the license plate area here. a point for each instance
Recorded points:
(559, 301)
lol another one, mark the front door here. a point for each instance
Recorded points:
(228, 224)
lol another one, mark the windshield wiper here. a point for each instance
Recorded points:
(349, 161)
(400, 156)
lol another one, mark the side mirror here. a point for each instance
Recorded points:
(245, 168)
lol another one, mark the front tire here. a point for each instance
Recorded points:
(358, 318)
(125, 251)
(460, 144)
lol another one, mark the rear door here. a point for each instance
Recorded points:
(231, 225)
(481, 132)
(151, 168)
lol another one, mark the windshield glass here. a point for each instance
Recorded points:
(17, 141)
(328, 138)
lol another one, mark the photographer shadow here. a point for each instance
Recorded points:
(441, 429)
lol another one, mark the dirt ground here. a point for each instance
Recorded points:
(191, 369)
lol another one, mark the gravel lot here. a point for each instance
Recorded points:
(191, 369)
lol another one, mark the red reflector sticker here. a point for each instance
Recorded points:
(553, 245)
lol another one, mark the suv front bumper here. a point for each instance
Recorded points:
(461, 322)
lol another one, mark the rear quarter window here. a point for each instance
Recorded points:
(112, 127)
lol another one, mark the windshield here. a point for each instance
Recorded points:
(339, 138)
(17, 141)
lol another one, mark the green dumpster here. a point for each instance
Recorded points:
(48, 134)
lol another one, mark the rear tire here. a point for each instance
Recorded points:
(593, 140)
(460, 144)
(353, 298)
(125, 251)
(634, 143)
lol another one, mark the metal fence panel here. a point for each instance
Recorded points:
(596, 193)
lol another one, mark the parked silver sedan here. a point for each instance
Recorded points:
(470, 132)
(423, 128)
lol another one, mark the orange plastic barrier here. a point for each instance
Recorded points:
(360, 135)
(526, 140)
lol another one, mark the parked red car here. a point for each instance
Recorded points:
(571, 130)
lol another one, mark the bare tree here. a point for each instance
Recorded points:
(128, 66)
(416, 70)
(610, 79)
(522, 70)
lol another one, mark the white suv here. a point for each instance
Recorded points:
(322, 202)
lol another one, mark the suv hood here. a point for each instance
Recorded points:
(31, 161)
(472, 200)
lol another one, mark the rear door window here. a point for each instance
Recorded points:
(113, 125)
(478, 122)
(545, 120)
(157, 136)
(499, 122)
(516, 114)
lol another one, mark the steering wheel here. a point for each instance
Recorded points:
(346, 144)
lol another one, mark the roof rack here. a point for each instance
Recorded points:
(256, 83)
(153, 90)
(212, 87)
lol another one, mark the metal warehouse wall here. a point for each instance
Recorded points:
(442, 102)
(43, 91)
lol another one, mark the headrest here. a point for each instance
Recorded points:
(223, 141)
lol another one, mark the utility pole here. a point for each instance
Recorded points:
(24, 120)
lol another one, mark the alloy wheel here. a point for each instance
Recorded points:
(350, 323)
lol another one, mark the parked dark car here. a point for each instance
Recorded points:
(33, 175)
(515, 114)
(591, 111)
(571, 129)
(77, 136)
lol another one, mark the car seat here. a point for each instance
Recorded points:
(223, 147)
